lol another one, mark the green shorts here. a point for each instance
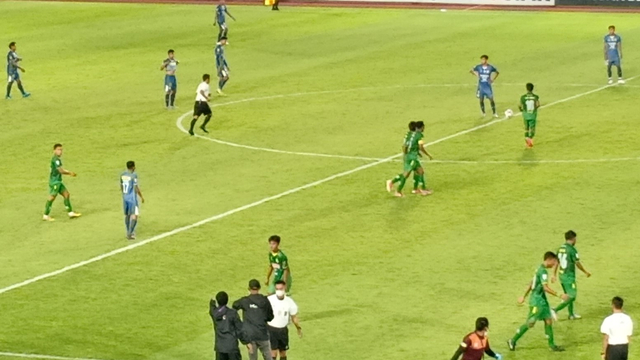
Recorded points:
(411, 165)
(55, 189)
(272, 285)
(539, 313)
(570, 288)
(528, 124)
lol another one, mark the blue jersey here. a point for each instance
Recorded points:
(221, 61)
(221, 14)
(611, 42)
(12, 62)
(484, 75)
(170, 65)
(128, 182)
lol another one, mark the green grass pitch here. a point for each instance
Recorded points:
(375, 277)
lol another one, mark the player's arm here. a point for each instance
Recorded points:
(581, 267)
(424, 150)
(491, 353)
(206, 96)
(526, 293)
(555, 273)
(269, 273)
(466, 342)
(139, 193)
(474, 72)
(228, 13)
(164, 65)
(605, 344)
(495, 77)
(296, 321)
(606, 48)
(550, 291)
(620, 49)
(65, 172)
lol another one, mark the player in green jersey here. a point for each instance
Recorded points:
(529, 104)
(412, 149)
(568, 260)
(278, 266)
(56, 186)
(539, 308)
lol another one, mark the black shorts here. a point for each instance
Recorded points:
(201, 108)
(229, 355)
(617, 352)
(279, 338)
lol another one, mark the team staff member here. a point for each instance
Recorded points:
(476, 344)
(617, 329)
(227, 326)
(285, 310)
(201, 107)
(257, 311)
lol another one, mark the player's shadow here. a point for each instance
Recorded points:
(528, 158)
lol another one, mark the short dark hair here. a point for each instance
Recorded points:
(131, 164)
(57, 146)
(12, 44)
(550, 255)
(482, 323)
(486, 57)
(280, 282)
(529, 87)
(206, 77)
(412, 126)
(617, 302)
(419, 124)
(570, 235)
(274, 238)
(612, 27)
(222, 298)
(170, 51)
(223, 38)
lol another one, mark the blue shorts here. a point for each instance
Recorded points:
(615, 62)
(484, 91)
(13, 76)
(170, 83)
(131, 208)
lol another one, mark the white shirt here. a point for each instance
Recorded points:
(204, 87)
(282, 310)
(619, 327)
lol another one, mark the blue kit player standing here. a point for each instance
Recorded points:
(613, 53)
(130, 193)
(170, 65)
(221, 19)
(12, 71)
(484, 73)
(221, 64)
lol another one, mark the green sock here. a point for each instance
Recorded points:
(397, 179)
(423, 182)
(67, 205)
(416, 181)
(521, 331)
(548, 329)
(533, 132)
(403, 180)
(526, 134)
(564, 304)
(47, 207)
(571, 313)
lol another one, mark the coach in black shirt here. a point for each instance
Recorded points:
(257, 311)
(228, 328)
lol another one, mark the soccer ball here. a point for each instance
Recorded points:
(508, 113)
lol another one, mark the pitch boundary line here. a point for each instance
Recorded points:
(40, 356)
(270, 198)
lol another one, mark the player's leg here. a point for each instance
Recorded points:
(531, 321)
(67, 202)
(224, 77)
(481, 98)
(133, 222)
(421, 181)
(225, 30)
(609, 74)
(571, 290)
(273, 340)
(196, 115)
(53, 192)
(492, 102)
(19, 82)
(167, 91)
(174, 90)
(548, 330)
(220, 31)
(619, 68)
(208, 114)
(9, 85)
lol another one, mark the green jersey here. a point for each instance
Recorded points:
(568, 257)
(538, 297)
(528, 103)
(412, 142)
(279, 263)
(55, 177)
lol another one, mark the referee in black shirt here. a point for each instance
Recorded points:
(257, 311)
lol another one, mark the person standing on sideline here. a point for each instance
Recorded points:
(568, 261)
(257, 312)
(617, 329)
(227, 326)
(476, 344)
(285, 310)
(201, 107)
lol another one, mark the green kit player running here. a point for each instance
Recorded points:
(539, 308)
(529, 104)
(278, 266)
(568, 260)
(412, 148)
(56, 186)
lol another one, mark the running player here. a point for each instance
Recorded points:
(413, 148)
(201, 107)
(483, 72)
(130, 192)
(13, 75)
(568, 261)
(613, 53)
(57, 187)
(278, 266)
(221, 64)
(529, 104)
(539, 308)
(170, 65)
(221, 19)
(476, 344)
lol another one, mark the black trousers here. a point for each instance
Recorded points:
(617, 352)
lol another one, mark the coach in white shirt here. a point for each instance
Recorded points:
(285, 310)
(617, 329)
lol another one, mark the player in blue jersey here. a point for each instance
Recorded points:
(130, 193)
(221, 64)
(13, 75)
(484, 72)
(170, 65)
(613, 53)
(221, 19)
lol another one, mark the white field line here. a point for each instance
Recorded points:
(38, 356)
(559, 161)
(264, 200)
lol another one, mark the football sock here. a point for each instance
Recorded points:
(493, 106)
(132, 225)
(166, 99)
(206, 121)
(220, 34)
(126, 223)
(173, 98)
(416, 181)
(548, 329)
(423, 182)
(403, 180)
(21, 88)
(532, 131)
(563, 305)
(619, 72)
(283, 358)
(482, 106)
(521, 331)
(526, 134)
(397, 178)
(222, 83)
(47, 207)
(609, 70)
(67, 205)
(9, 88)
(571, 313)
(193, 123)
